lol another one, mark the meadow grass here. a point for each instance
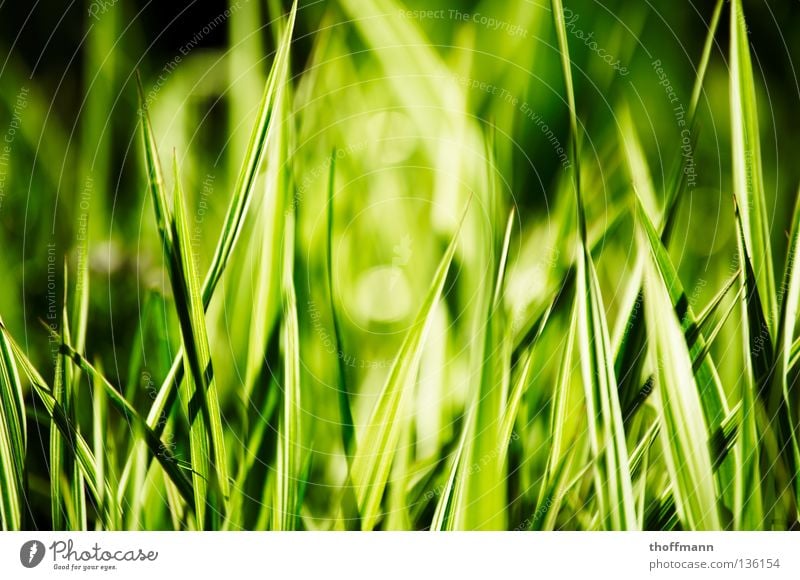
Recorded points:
(481, 381)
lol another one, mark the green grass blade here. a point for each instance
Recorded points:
(713, 395)
(99, 437)
(236, 212)
(186, 287)
(605, 426)
(346, 415)
(347, 425)
(559, 409)
(681, 412)
(704, 59)
(242, 195)
(288, 466)
(62, 422)
(446, 516)
(758, 357)
(711, 332)
(158, 449)
(606, 433)
(485, 487)
(782, 385)
(748, 181)
(373, 462)
(13, 439)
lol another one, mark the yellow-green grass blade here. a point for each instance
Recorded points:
(236, 212)
(680, 411)
(612, 477)
(556, 493)
(705, 58)
(100, 439)
(288, 465)
(758, 359)
(713, 396)
(345, 412)
(605, 427)
(518, 389)
(782, 385)
(186, 288)
(62, 422)
(59, 459)
(711, 332)
(748, 180)
(686, 156)
(234, 219)
(13, 439)
(192, 391)
(192, 388)
(270, 224)
(159, 450)
(485, 486)
(372, 463)
(558, 412)
(704, 319)
(563, 47)
(347, 425)
(447, 515)
(631, 352)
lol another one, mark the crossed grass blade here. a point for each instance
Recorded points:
(237, 210)
(680, 411)
(381, 434)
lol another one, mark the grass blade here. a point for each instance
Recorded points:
(158, 449)
(485, 485)
(783, 387)
(13, 439)
(205, 412)
(681, 412)
(288, 467)
(236, 212)
(62, 422)
(373, 462)
(606, 433)
(748, 181)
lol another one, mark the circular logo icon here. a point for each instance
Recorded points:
(32, 553)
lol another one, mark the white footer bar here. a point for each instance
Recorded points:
(407, 555)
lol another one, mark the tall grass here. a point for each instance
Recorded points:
(370, 331)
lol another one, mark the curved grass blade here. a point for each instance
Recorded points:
(288, 466)
(13, 439)
(485, 485)
(630, 355)
(201, 391)
(680, 411)
(748, 181)
(158, 449)
(61, 420)
(605, 426)
(446, 515)
(757, 361)
(346, 415)
(782, 386)
(558, 411)
(349, 443)
(606, 433)
(236, 212)
(713, 396)
(373, 462)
